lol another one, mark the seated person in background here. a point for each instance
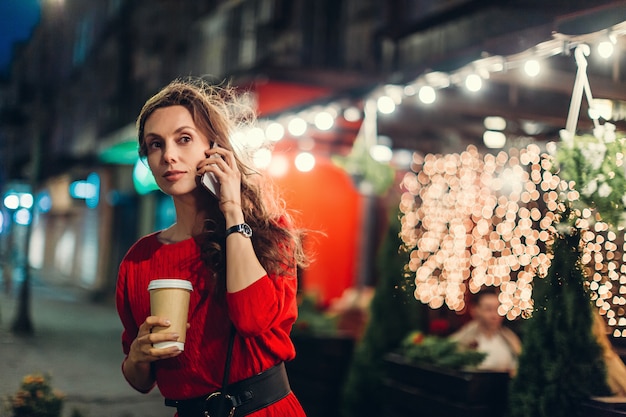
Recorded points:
(485, 333)
(615, 368)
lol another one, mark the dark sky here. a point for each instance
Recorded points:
(17, 19)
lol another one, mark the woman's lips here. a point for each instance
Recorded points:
(173, 175)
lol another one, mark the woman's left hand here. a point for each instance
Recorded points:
(222, 163)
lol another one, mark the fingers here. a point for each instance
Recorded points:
(142, 348)
(154, 321)
(218, 160)
(223, 164)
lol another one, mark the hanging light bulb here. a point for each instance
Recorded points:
(386, 105)
(494, 123)
(473, 83)
(607, 46)
(297, 126)
(493, 139)
(532, 67)
(305, 162)
(262, 158)
(352, 114)
(427, 94)
(255, 137)
(324, 120)
(274, 131)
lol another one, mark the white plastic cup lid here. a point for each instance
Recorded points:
(170, 283)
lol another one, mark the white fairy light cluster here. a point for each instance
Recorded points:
(473, 221)
(604, 263)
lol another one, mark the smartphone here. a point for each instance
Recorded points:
(209, 181)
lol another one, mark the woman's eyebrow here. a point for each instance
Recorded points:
(151, 135)
(178, 130)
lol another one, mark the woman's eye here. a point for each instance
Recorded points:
(155, 144)
(185, 139)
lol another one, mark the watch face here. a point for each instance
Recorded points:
(243, 228)
(246, 230)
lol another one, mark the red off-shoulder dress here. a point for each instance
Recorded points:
(262, 314)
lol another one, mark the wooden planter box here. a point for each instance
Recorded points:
(412, 389)
(318, 372)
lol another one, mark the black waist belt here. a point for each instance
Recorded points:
(246, 396)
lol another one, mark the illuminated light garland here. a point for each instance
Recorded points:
(470, 220)
(465, 230)
(425, 86)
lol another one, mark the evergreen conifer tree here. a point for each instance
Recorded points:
(393, 313)
(561, 363)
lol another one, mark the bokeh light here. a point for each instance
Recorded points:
(471, 221)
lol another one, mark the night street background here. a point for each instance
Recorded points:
(78, 343)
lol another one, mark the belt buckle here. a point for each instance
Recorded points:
(214, 396)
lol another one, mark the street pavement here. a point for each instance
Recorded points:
(77, 342)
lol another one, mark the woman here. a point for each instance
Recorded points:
(236, 247)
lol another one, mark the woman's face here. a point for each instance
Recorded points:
(175, 146)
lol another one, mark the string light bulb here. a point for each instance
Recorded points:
(255, 137)
(494, 123)
(532, 67)
(297, 126)
(352, 114)
(274, 131)
(305, 161)
(324, 120)
(427, 94)
(473, 83)
(262, 158)
(385, 105)
(606, 47)
(494, 139)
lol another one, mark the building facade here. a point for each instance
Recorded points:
(77, 85)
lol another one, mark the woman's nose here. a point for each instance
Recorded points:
(169, 154)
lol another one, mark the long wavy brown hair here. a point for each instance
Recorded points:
(218, 110)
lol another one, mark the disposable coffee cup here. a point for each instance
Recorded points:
(169, 298)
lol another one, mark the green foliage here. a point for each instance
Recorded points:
(312, 320)
(393, 312)
(597, 168)
(36, 398)
(561, 363)
(439, 351)
(363, 168)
